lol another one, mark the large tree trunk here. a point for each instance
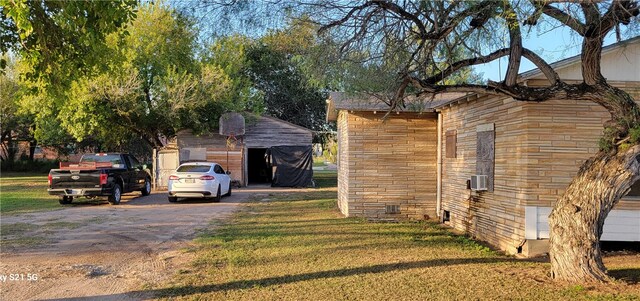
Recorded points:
(32, 149)
(577, 220)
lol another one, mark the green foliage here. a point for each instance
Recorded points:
(331, 151)
(605, 144)
(606, 141)
(9, 98)
(154, 85)
(287, 93)
(230, 55)
(634, 135)
(60, 40)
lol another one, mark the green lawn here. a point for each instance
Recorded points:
(300, 248)
(325, 179)
(318, 162)
(20, 192)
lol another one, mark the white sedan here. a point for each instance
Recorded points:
(199, 180)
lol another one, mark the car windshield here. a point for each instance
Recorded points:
(194, 168)
(113, 159)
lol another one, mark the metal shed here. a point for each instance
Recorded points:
(272, 151)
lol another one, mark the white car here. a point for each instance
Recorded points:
(199, 180)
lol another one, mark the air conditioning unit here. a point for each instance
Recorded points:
(479, 182)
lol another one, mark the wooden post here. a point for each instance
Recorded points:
(154, 168)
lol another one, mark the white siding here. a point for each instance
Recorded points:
(619, 64)
(620, 225)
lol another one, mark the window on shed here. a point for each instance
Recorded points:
(451, 143)
(485, 152)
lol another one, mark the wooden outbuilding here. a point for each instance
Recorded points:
(249, 157)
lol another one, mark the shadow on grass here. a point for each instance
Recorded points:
(264, 282)
(630, 276)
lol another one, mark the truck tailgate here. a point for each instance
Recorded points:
(75, 179)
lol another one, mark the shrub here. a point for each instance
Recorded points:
(36, 166)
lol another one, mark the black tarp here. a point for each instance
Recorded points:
(294, 166)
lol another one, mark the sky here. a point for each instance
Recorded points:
(552, 46)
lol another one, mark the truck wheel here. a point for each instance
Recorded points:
(115, 196)
(173, 199)
(229, 191)
(146, 190)
(65, 200)
(218, 196)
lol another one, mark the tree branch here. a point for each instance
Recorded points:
(619, 12)
(515, 43)
(561, 17)
(390, 6)
(466, 63)
(546, 69)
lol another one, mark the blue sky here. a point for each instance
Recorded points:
(552, 46)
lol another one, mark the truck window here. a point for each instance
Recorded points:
(133, 162)
(115, 160)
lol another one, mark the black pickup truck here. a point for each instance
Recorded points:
(97, 175)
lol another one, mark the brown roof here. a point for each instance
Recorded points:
(364, 102)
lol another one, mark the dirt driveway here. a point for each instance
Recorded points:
(95, 249)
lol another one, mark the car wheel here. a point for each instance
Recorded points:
(229, 191)
(146, 190)
(65, 200)
(218, 196)
(115, 196)
(173, 199)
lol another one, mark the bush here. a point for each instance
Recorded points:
(36, 166)
(331, 152)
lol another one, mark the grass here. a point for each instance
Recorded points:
(298, 247)
(21, 192)
(325, 179)
(318, 162)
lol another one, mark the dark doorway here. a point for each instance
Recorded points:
(259, 166)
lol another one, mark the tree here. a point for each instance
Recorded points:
(10, 116)
(153, 87)
(60, 40)
(415, 31)
(54, 43)
(287, 93)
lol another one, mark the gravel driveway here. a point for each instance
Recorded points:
(95, 249)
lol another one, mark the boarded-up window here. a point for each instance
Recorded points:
(485, 151)
(451, 141)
